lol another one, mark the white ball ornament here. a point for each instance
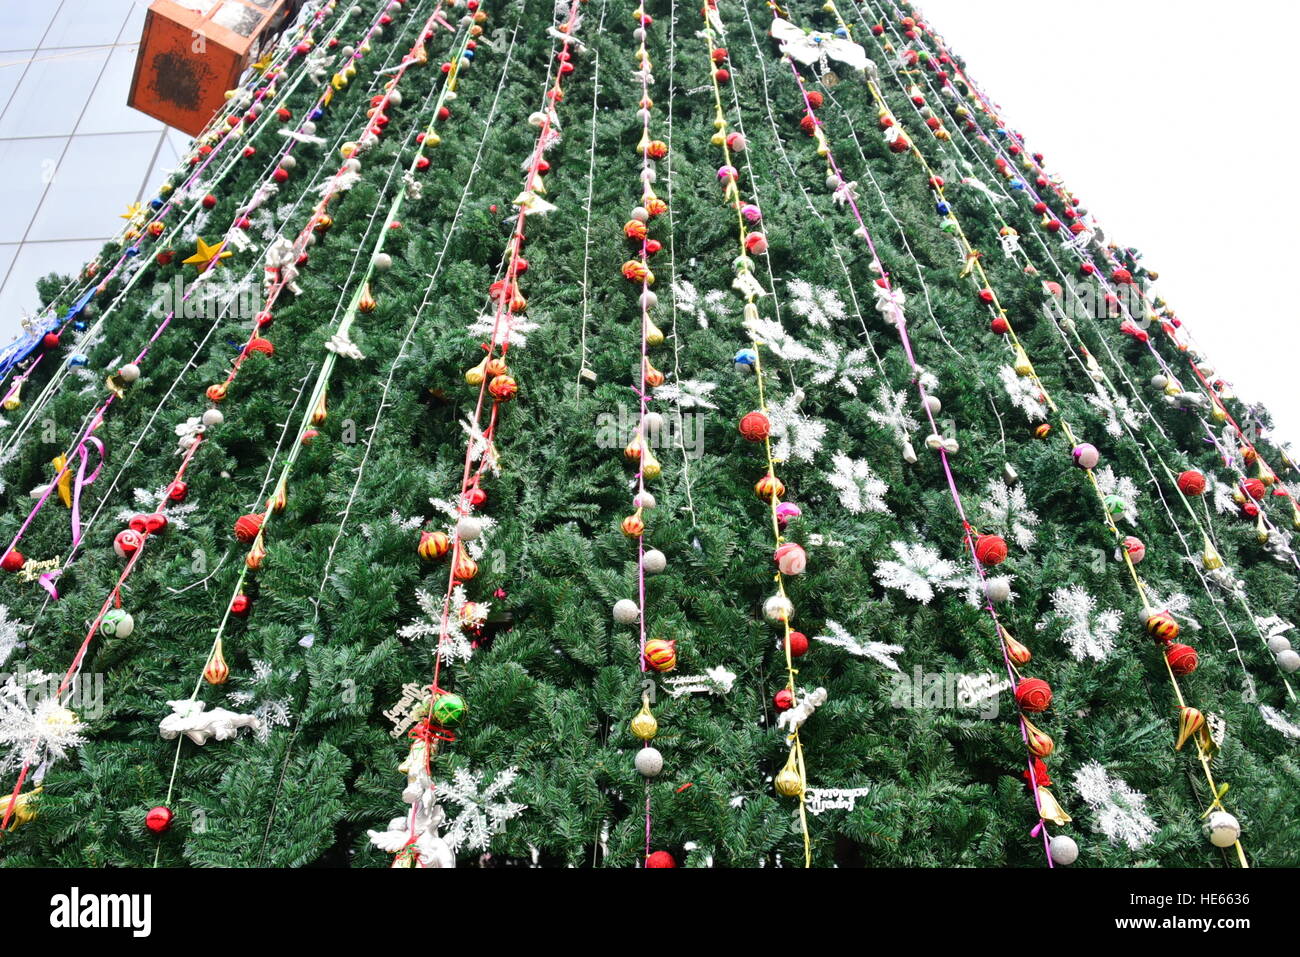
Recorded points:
(1278, 644)
(213, 418)
(1159, 381)
(933, 404)
(626, 611)
(649, 762)
(129, 372)
(382, 261)
(1222, 829)
(117, 623)
(395, 97)
(653, 422)
(1288, 661)
(654, 561)
(468, 528)
(1064, 850)
(997, 589)
(644, 500)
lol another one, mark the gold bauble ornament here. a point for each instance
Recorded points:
(788, 781)
(644, 725)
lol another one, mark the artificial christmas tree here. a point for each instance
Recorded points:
(602, 435)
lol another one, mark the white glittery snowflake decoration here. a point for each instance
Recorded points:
(1177, 604)
(891, 413)
(1115, 409)
(11, 630)
(1120, 811)
(860, 490)
(775, 339)
(1088, 633)
(456, 644)
(818, 304)
(1024, 394)
(688, 394)
(794, 435)
(484, 811)
(830, 364)
(875, 650)
(712, 305)
(1279, 722)
(35, 727)
(1120, 487)
(1006, 511)
(918, 571)
(512, 329)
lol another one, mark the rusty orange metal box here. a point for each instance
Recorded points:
(193, 51)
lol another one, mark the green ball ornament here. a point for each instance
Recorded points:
(1115, 505)
(449, 709)
(117, 624)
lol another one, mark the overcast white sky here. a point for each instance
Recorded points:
(1174, 122)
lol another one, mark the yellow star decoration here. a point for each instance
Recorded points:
(134, 212)
(205, 255)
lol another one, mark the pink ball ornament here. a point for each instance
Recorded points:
(1086, 456)
(791, 559)
(751, 213)
(756, 243)
(736, 142)
(787, 512)
(726, 173)
(1136, 550)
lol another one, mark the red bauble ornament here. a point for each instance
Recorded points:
(241, 605)
(722, 76)
(755, 426)
(209, 201)
(50, 340)
(258, 344)
(12, 561)
(1033, 695)
(990, 549)
(1000, 325)
(1254, 488)
(1191, 482)
(127, 542)
(784, 699)
(814, 98)
(178, 490)
(986, 296)
(281, 175)
(798, 644)
(660, 859)
(247, 527)
(1182, 658)
(159, 819)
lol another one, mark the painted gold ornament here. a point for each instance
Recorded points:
(1039, 742)
(1049, 809)
(1191, 723)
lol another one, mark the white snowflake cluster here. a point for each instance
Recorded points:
(513, 329)
(819, 305)
(918, 571)
(1088, 633)
(1121, 812)
(794, 435)
(687, 394)
(875, 650)
(35, 727)
(457, 644)
(712, 305)
(860, 490)
(1279, 722)
(11, 630)
(1024, 394)
(1006, 511)
(484, 810)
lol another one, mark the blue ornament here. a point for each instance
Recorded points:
(317, 113)
(942, 208)
(132, 250)
(1017, 184)
(841, 32)
(79, 326)
(156, 203)
(77, 359)
(746, 360)
(468, 54)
